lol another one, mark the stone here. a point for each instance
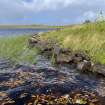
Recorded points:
(77, 59)
(65, 51)
(44, 46)
(32, 42)
(99, 69)
(62, 58)
(57, 50)
(84, 65)
(82, 55)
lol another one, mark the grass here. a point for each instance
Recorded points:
(16, 49)
(28, 26)
(89, 38)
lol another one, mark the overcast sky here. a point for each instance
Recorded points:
(52, 12)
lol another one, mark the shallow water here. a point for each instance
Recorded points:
(12, 32)
(43, 78)
(66, 74)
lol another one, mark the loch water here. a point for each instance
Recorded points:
(23, 31)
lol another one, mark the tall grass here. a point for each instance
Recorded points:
(89, 38)
(16, 49)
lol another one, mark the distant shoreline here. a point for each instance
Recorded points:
(28, 26)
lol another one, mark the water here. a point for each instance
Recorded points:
(43, 78)
(29, 31)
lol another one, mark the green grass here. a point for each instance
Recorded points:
(89, 38)
(28, 26)
(16, 49)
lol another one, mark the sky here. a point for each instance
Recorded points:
(51, 12)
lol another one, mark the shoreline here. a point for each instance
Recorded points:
(29, 27)
(59, 55)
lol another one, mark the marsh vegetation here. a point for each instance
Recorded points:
(16, 49)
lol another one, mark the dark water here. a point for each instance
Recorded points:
(29, 31)
(43, 72)
(43, 78)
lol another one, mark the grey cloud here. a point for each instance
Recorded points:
(49, 11)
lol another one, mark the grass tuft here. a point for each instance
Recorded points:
(16, 49)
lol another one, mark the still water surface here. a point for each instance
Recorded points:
(12, 32)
